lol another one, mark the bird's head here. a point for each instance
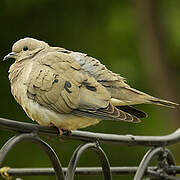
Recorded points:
(26, 48)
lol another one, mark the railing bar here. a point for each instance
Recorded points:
(88, 171)
(89, 136)
(79, 171)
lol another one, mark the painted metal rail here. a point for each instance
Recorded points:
(166, 168)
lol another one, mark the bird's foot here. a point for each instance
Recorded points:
(64, 132)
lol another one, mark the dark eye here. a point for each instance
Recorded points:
(25, 48)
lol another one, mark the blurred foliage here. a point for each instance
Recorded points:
(107, 30)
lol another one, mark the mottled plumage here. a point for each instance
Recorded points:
(70, 89)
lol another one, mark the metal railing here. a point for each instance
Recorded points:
(165, 169)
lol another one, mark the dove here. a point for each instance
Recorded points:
(71, 90)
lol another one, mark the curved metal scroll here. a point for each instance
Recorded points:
(77, 154)
(33, 138)
(149, 156)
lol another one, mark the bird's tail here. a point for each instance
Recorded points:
(153, 100)
(163, 102)
(132, 96)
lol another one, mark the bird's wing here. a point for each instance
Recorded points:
(58, 83)
(98, 70)
(122, 94)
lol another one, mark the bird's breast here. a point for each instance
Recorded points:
(39, 113)
(48, 117)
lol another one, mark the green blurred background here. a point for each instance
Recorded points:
(138, 39)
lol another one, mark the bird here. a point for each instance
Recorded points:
(71, 90)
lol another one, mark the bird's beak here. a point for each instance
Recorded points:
(10, 55)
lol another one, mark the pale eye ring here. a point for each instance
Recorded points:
(25, 48)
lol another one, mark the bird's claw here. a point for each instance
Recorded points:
(64, 132)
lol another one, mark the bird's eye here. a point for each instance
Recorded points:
(25, 48)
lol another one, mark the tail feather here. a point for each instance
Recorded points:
(163, 102)
(108, 113)
(134, 96)
(133, 111)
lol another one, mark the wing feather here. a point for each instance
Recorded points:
(65, 88)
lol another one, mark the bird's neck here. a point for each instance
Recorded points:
(15, 71)
(18, 74)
